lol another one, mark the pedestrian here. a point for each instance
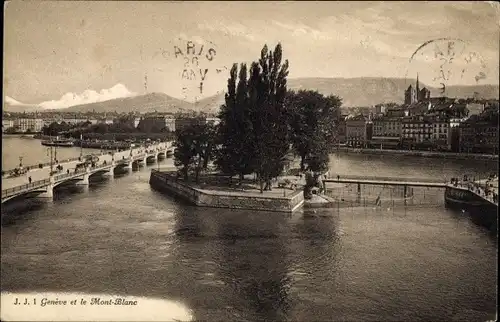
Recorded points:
(29, 180)
(67, 171)
(338, 177)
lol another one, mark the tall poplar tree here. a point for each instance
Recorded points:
(267, 91)
(227, 128)
(236, 153)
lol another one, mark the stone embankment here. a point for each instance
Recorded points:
(224, 198)
(425, 154)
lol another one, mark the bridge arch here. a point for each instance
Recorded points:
(66, 182)
(25, 195)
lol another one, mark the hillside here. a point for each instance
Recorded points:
(143, 103)
(371, 91)
(353, 91)
(366, 91)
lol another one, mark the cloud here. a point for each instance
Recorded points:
(302, 30)
(13, 102)
(233, 29)
(88, 96)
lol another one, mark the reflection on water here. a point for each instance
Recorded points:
(418, 262)
(45, 306)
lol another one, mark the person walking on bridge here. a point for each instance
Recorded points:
(29, 180)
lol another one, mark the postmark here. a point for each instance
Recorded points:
(442, 62)
(197, 66)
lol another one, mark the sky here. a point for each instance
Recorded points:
(63, 53)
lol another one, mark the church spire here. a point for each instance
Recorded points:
(418, 85)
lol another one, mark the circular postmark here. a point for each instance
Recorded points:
(442, 62)
(194, 68)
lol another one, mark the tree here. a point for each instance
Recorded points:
(194, 147)
(267, 91)
(203, 146)
(313, 119)
(184, 150)
(235, 129)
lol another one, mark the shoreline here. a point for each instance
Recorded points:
(415, 153)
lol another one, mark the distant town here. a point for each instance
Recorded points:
(420, 123)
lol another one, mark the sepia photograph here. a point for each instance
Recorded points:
(250, 161)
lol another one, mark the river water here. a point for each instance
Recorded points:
(118, 236)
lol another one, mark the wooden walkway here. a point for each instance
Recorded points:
(387, 181)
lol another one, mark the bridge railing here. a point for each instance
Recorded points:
(46, 164)
(120, 161)
(36, 184)
(71, 174)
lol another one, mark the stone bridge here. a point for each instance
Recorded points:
(105, 164)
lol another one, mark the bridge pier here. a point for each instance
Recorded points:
(111, 171)
(49, 194)
(85, 179)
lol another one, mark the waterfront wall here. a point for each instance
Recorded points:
(426, 154)
(220, 199)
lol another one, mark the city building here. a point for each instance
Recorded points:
(475, 108)
(441, 132)
(380, 109)
(341, 130)
(151, 124)
(170, 124)
(397, 111)
(28, 124)
(356, 131)
(136, 121)
(213, 120)
(7, 124)
(479, 133)
(182, 122)
(386, 132)
(416, 131)
(74, 121)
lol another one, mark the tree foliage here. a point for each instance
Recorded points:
(313, 119)
(260, 120)
(267, 92)
(194, 147)
(253, 133)
(235, 129)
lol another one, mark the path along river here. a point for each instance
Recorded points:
(414, 263)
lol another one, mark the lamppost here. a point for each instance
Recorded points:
(51, 160)
(157, 159)
(81, 146)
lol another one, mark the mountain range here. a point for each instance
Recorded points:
(366, 91)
